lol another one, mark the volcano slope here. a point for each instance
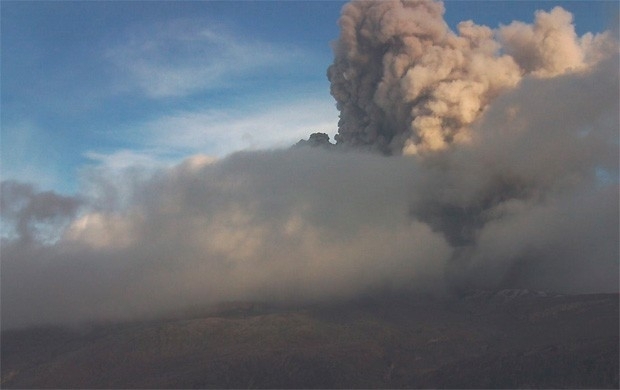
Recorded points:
(506, 339)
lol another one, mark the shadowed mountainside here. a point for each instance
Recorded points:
(508, 339)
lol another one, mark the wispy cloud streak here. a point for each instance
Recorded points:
(183, 57)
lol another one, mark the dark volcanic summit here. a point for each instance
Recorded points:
(508, 339)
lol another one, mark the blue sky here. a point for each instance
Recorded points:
(120, 83)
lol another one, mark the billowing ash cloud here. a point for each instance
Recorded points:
(528, 199)
(29, 215)
(404, 82)
(291, 225)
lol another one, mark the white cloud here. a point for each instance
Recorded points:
(166, 140)
(183, 57)
(208, 135)
(220, 132)
(127, 158)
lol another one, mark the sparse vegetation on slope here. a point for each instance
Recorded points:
(485, 341)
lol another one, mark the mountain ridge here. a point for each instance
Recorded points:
(477, 341)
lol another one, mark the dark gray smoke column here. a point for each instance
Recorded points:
(405, 83)
(515, 130)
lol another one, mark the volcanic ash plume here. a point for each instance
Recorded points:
(405, 83)
(528, 201)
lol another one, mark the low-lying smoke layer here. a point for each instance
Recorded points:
(404, 82)
(530, 200)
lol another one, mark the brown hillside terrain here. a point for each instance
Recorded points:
(509, 339)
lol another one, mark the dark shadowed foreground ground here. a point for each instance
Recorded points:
(508, 339)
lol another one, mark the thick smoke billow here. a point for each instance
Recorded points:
(404, 82)
(29, 215)
(524, 195)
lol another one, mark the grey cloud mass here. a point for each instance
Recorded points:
(529, 199)
(28, 214)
